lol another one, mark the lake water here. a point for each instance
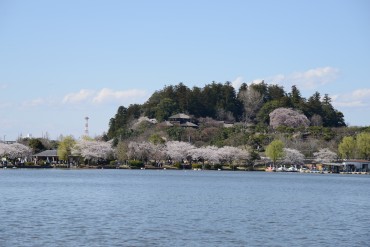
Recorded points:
(182, 208)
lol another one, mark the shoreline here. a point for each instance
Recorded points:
(167, 168)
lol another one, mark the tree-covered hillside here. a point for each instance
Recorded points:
(252, 104)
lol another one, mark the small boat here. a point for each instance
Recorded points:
(270, 169)
(281, 169)
(292, 169)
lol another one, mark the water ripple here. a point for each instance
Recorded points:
(176, 208)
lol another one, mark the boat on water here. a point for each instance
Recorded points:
(292, 169)
(281, 169)
(270, 169)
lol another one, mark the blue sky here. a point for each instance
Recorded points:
(63, 60)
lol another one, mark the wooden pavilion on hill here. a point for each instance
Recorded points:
(182, 120)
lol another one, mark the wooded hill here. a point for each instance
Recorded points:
(251, 105)
(248, 109)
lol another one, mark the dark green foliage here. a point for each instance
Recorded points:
(36, 145)
(135, 164)
(156, 139)
(119, 125)
(258, 141)
(221, 135)
(165, 109)
(176, 133)
(198, 102)
(134, 111)
(196, 166)
(219, 101)
(275, 92)
(324, 133)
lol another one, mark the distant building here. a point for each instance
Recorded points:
(182, 120)
(356, 165)
(50, 156)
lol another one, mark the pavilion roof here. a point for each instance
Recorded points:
(47, 153)
(180, 115)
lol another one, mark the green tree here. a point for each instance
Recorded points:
(156, 139)
(295, 97)
(175, 133)
(363, 145)
(182, 95)
(118, 123)
(347, 147)
(165, 109)
(133, 111)
(121, 151)
(65, 147)
(275, 92)
(314, 105)
(275, 150)
(36, 145)
(149, 106)
(196, 103)
(331, 117)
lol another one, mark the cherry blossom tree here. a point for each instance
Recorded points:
(158, 153)
(212, 154)
(4, 149)
(209, 153)
(325, 155)
(178, 151)
(288, 117)
(93, 150)
(15, 151)
(140, 150)
(293, 157)
(230, 154)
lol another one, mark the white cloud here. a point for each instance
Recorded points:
(82, 95)
(310, 79)
(257, 81)
(357, 98)
(33, 103)
(36, 102)
(105, 95)
(240, 80)
(5, 105)
(356, 103)
(361, 93)
(108, 95)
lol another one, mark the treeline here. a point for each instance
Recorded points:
(251, 104)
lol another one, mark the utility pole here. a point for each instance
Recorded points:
(87, 126)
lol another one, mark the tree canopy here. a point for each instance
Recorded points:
(220, 101)
(275, 150)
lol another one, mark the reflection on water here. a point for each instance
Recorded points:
(182, 208)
